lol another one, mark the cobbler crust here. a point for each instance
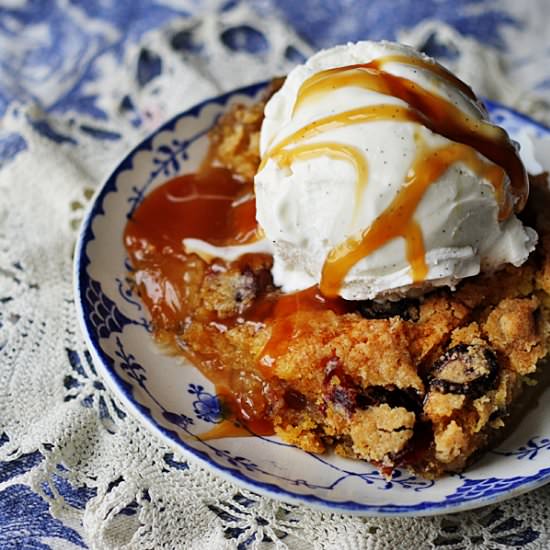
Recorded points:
(423, 385)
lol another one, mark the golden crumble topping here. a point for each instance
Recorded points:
(421, 383)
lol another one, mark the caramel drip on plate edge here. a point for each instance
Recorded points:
(424, 108)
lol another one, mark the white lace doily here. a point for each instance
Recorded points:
(107, 481)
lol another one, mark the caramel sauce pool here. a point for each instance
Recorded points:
(213, 206)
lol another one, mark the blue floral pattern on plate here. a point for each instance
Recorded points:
(206, 406)
(530, 450)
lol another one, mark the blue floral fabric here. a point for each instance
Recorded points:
(51, 51)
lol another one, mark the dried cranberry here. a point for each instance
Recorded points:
(407, 309)
(469, 370)
(394, 397)
(295, 399)
(340, 389)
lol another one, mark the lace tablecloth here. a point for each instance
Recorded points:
(80, 82)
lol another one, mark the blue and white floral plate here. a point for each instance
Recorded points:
(178, 404)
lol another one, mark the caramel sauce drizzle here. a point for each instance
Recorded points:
(335, 151)
(310, 85)
(289, 320)
(361, 115)
(397, 220)
(432, 67)
(424, 108)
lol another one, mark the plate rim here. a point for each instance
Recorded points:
(142, 414)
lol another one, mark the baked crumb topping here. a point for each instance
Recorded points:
(421, 384)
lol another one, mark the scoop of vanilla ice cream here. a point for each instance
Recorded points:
(310, 205)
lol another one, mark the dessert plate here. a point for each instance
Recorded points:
(178, 404)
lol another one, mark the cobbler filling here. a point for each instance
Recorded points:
(418, 383)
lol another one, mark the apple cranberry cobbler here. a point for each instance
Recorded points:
(422, 381)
